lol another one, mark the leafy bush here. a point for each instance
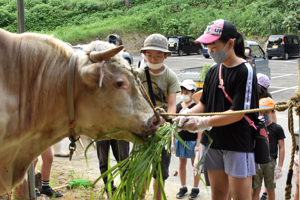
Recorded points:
(203, 72)
(5, 17)
(169, 17)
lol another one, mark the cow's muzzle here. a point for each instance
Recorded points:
(152, 125)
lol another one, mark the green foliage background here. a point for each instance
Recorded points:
(83, 20)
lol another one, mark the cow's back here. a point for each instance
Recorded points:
(33, 70)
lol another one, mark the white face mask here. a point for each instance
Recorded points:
(185, 98)
(155, 66)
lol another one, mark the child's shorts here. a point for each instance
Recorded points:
(236, 164)
(182, 151)
(265, 172)
(296, 169)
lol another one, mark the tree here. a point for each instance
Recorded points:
(127, 3)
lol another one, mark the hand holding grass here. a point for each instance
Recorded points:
(193, 123)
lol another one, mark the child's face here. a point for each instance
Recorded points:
(155, 57)
(216, 46)
(186, 95)
(185, 92)
(267, 113)
(247, 51)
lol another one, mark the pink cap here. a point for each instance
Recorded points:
(207, 38)
(216, 29)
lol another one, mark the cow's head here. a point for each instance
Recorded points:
(113, 93)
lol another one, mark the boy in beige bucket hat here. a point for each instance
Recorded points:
(164, 84)
(156, 42)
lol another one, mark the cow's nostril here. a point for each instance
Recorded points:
(155, 122)
(152, 126)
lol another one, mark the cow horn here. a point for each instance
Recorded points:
(96, 56)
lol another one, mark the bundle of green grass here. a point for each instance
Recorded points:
(144, 160)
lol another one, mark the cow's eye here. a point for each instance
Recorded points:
(119, 83)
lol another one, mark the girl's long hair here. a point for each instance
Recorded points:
(239, 45)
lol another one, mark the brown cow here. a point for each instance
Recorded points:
(33, 100)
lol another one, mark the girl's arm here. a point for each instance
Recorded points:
(218, 120)
(222, 120)
(198, 139)
(172, 103)
(199, 108)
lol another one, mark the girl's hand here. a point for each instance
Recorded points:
(172, 149)
(194, 123)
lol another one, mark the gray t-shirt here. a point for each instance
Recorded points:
(163, 84)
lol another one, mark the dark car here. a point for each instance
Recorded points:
(184, 44)
(205, 51)
(284, 46)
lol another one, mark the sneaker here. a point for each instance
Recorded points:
(194, 193)
(181, 192)
(50, 192)
(264, 196)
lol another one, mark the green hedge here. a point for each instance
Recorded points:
(90, 19)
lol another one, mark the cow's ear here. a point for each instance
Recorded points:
(92, 74)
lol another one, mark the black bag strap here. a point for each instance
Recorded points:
(139, 64)
(146, 68)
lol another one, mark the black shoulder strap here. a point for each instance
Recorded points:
(139, 64)
(150, 85)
